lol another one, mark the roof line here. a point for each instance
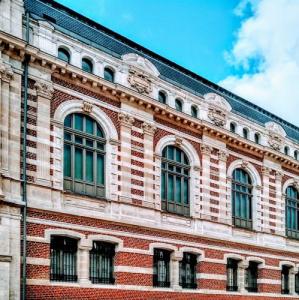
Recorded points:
(166, 61)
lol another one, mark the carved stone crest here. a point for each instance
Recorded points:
(87, 107)
(140, 81)
(44, 89)
(178, 141)
(217, 116)
(276, 135)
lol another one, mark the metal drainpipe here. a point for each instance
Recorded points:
(24, 178)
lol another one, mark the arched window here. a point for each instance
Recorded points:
(296, 156)
(232, 127)
(162, 97)
(109, 74)
(257, 138)
(292, 212)
(242, 199)
(194, 111)
(87, 65)
(286, 150)
(245, 133)
(178, 105)
(64, 54)
(84, 156)
(175, 181)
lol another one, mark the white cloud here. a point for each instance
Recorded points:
(267, 51)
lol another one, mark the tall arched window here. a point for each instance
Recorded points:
(194, 111)
(109, 74)
(87, 65)
(292, 212)
(84, 156)
(64, 55)
(162, 97)
(242, 199)
(178, 105)
(175, 181)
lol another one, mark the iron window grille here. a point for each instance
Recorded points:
(175, 179)
(101, 267)
(63, 259)
(188, 271)
(292, 213)
(242, 199)
(84, 156)
(251, 277)
(161, 275)
(285, 280)
(232, 275)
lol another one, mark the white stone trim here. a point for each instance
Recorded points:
(64, 232)
(130, 269)
(106, 238)
(260, 261)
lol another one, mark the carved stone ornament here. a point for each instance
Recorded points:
(87, 107)
(126, 119)
(178, 141)
(223, 155)
(266, 171)
(6, 72)
(44, 89)
(148, 128)
(205, 149)
(140, 81)
(244, 164)
(218, 108)
(276, 135)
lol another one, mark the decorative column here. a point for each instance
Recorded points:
(175, 270)
(83, 263)
(224, 207)
(6, 75)
(280, 204)
(44, 92)
(148, 130)
(292, 281)
(126, 122)
(243, 265)
(206, 154)
(265, 200)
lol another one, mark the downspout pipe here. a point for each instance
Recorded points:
(24, 160)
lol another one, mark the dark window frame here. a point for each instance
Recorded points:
(251, 277)
(232, 127)
(177, 173)
(109, 74)
(188, 271)
(161, 268)
(194, 111)
(91, 145)
(179, 105)
(232, 273)
(63, 259)
(292, 212)
(257, 138)
(87, 65)
(162, 97)
(242, 192)
(246, 133)
(64, 52)
(285, 280)
(101, 263)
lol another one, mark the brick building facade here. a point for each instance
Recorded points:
(143, 180)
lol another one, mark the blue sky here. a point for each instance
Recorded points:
(250, 47)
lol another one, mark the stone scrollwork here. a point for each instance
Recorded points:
(206, 149)
(126, 119)
(140, 81)
(276, 135)
(148, 128)
(223, 155)
(44, 89)
(87, 107)
(6, 72)
(178, 141)
(218, 109)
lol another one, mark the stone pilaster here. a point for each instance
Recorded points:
(126, 122)
(175, 270)
(148, 130)
(265, 200)
(83, 264)
(44, 93)
(225, 213)
(280, 204)
(243, 265)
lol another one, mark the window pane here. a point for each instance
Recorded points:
(67, 161)
(163, 186)
(79, 122)
(186, 191)
(170, 188)
(100, 169)
(178, 190)
(89, 125)
(86, 65)
(68, 121)
(170, 153)
(108, 74)
(78, 163)
(89, 166)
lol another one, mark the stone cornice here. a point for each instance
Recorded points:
(17, 48)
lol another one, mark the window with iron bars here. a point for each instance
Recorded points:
(161, 277)
(285, 280)
(188, 271)
(63, 260)
(101, 267)
(232, 275)
(251, 277)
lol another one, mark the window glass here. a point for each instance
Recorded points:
(233, 127)
(285, 280)
(178, 105)
(251, 276)
(292, 212)
(232, 275)
(188, 271)
(64, 55)
(194, 111)
(86, 65)
(162, 97)
(161, 270)
(108, 74)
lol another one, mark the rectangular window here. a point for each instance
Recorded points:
(188, 271)
(63, 260)
(232, 275)
(67, 161)
(251, 277)
(101, 267)
(161, 277)
(285, 280)
(297, 283)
